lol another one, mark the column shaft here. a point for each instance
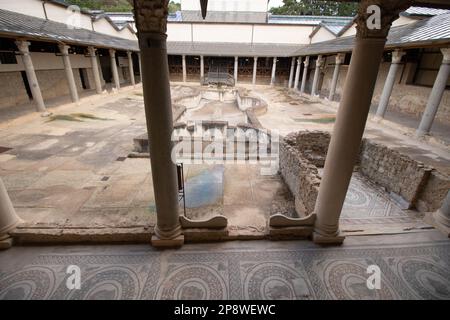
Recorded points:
(23, 47)
(389, 83)
(274, 70)
(8, 216)
(442, 216)
(69, 72)
(436, 95)
(297, 73)
(202, 68)
(95, 70)
(305, 73)
(236, 66)
(140, 66)
(115, 72)
(184, 68)
(339, 60)
(131, 68)
(255, 65)
(291, 72)
(316, 76)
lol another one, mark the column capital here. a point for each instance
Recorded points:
(64, 49)
(255, 58)
(340, 58)
(129, 53)
(92, 51)
(319, 61)
(151, 15)
(23, 46)
(236, 58)
(446, 54)
(274, 60)
(112, 52)
(397, 56)
(306, 61)
(375, 17)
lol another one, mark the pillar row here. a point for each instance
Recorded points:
(339, 61)
(305, 73)
(131, 68)
(255, 65)
(436, 95)
(95, 69)
(389, 83)
(115, 72)
(24, 50)
(274, 70)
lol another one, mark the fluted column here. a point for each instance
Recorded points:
(255, 65)
(352, 116)
(115, 72)
(305, 73)
(64, 50)
(389, 83)
(151, 21)
(274, 70)
(436, 95)
(319, 63)
(236, 66)
(24, 50)
(95, 70)
(131, 68)
(339, 60)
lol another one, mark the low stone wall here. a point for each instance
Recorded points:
(410, 183)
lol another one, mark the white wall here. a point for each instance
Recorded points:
(222, 33)
(103, 26)
(227, 5)
(178, 32)
(322, 35)
(29, 7)
(64, 15)
(282, 34)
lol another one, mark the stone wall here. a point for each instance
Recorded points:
(13, 90)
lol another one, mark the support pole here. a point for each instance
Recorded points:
(184, 68)
(151, 21)
(305, 73)
(274, 70)
(291, 73)
(236, 66)
(64, 50)
(202, 68)
(131, 68)
(95, 70)
(389, 83)
(339, 60)
(319, 63)
(140, 66)
(255, 65)
(115, 72)
(24, 50)
(297, 73)
(436, 95)
(352, 116)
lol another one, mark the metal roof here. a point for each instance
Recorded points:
(224, 16)
(307, 20)
(423, 11)
(232, 49)
(16, 24)
(435, 30)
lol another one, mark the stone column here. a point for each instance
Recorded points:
(236, 66)
(202, 68)
(131, 68)
(436, 95)
(24, 50)
(140, 66)
(151, 22)
(339, 60)
(352, 116)
(389, 83)
(255, 65)
(297, 73)
(319, 63)
(291, 73)
(8, 217)
(95, 71)
(115, 72)
(274, 70)
(184, 68)
(64, 50)
(305, 73)
(441, 217)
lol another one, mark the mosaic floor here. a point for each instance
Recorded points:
(415, 267)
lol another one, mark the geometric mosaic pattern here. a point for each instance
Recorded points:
(299, 271)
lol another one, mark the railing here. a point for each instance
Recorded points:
(217, 77)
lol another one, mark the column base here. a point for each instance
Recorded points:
(325, 239)
(176, 242)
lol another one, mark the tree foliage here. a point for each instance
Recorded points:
(316, 8)
(114, 5)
